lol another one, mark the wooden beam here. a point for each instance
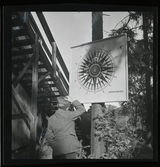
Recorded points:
(23, 71)
(43, 77)
(51, 39)
(56, 81)
(54, 59)
(22, 52)
(24, 42)
(23, 84)
(44, 58)
(19, 105)
(60, 87)
(30, 31)
(35, 27)
(46, 85)
(33, 126)
(43, 55)
(45, 27)
(60, 75)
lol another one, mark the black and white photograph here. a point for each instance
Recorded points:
(79, 83)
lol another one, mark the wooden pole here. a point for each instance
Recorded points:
(54, 59)
(97, 26)
(97, 147)
(33, 127)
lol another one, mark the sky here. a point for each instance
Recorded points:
(74, 28)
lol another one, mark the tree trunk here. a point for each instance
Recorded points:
(148, 86)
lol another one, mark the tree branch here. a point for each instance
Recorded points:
(122, 20)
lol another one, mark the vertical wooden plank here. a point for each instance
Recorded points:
(54, 58)
(57, 80)
(33, 130)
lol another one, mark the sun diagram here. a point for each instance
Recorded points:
(96, 70)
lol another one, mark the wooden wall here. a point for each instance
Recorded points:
(20, 130)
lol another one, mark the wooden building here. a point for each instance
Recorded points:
(36, 79)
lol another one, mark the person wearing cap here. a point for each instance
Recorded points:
(61, 134)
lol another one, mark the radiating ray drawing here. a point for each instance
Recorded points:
(96, 70)
(99, 70)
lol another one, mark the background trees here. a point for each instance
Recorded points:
(127, 130)
(140, 60)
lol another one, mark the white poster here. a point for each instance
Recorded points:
(99, 71)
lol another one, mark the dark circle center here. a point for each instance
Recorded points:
(95, 70)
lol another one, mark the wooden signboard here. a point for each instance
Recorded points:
(99, 71)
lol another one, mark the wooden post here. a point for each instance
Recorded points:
(56, 79)
(43, 77)
(97, 26)
(33, 127)
(54, 58)
(97, 147)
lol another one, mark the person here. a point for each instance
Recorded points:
(61, 134)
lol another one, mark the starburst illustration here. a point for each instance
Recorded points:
(96, 70)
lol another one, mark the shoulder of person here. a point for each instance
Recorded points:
(61, 112)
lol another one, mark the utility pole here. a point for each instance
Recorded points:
(97, 26)
(97, 146)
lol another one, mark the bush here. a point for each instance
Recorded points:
(118, 132)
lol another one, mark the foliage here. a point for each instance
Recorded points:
(124, 130)
(116, 128)
(116, 135)
(140, 61)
